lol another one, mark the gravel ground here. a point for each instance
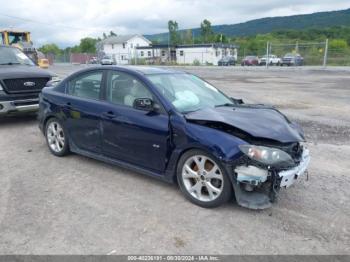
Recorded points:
(76, 205)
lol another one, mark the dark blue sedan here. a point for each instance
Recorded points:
(176, 127)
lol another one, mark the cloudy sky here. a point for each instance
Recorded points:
(66, 21)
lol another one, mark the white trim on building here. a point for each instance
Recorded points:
(122, 48)
(188, 54)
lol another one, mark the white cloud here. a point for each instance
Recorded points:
(66, 21)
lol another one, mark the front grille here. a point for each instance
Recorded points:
(25, 85)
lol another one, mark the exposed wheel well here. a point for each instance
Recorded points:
(45, 122)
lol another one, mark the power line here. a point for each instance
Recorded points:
(46, 24)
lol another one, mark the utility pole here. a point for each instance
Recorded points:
(325, 54)
(267, 55)
(135, 53)
(169, 47)
(297, 47)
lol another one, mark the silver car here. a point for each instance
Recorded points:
(107, 60)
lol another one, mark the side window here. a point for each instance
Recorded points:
(123, 89)
(87, 85)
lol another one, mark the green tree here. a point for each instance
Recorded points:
(221, 38)
(338, 44)
(173, 32)
(88, 45)
(111, 33)
(50, 49)
(206, 31)
(188, 37)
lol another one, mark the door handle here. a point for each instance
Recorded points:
(108, 114)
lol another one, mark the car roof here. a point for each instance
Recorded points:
(144, 70)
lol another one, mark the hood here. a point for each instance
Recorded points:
(255, 120)
(23, 71)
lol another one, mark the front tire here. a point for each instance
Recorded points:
(56, 137)
(203, 180)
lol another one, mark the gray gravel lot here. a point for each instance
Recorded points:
(76, 205)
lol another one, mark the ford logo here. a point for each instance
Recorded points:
(29, 84)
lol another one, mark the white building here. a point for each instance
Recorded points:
(187, 54)
(122, 48)
(204, 53)
(158, 53)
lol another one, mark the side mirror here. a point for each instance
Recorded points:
(237, 101)
(145, 104)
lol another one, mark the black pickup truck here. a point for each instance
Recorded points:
(20, 82)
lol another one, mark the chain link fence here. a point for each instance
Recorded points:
(302, 53)
(310, 53)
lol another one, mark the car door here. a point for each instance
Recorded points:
(83, 110)
(131, 135)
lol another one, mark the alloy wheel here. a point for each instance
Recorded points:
(55, 136)
(202, 178)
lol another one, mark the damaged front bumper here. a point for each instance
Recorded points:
(256, 187)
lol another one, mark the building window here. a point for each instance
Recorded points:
(124, 45)
(149, 53)
(131, 45)
(181, 53)
(112, 46)
(217, 52)
(163, 53)
(141, 53)
(122, 57)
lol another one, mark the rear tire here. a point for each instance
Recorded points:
(56, 137)
(203, 180)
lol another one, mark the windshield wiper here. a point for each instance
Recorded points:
(226, 104)
(10, 63)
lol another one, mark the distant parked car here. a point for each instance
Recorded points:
(227, 61)
(291, 59)
(106, 60)
(250, 61)
(93, 60)
(272, 60)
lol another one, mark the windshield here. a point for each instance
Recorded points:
(188, 92)
(12, 56)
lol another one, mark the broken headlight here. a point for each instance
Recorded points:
(267, 155)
